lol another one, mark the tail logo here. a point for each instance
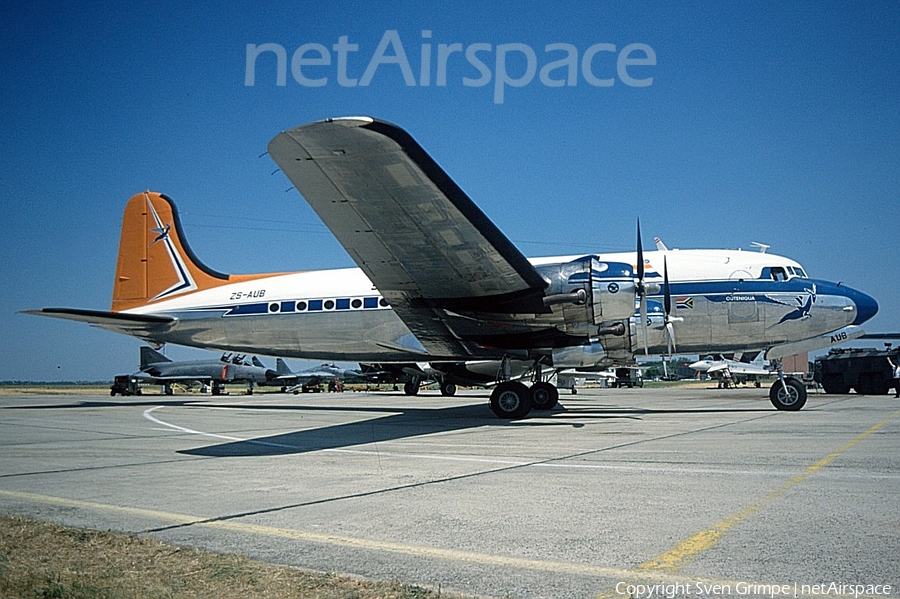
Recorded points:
(163, 231)
(185, 282)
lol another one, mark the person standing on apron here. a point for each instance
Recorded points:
(896, 374)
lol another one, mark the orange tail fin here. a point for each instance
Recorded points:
(155, 261)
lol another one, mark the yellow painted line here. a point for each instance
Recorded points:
(618, 574)
(328, 539)
(679, 556)
(684, 552)
(663, 568)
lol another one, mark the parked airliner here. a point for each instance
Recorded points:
(438, 282)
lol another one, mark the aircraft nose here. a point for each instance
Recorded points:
(866, 306)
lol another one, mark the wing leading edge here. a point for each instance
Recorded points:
(420, 239)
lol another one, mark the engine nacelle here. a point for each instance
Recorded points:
(579, 356)
(590, 291)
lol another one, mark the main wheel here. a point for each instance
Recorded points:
(511, 400)
(790, 396)
(544, 396)
(448, 389)
(411, 387)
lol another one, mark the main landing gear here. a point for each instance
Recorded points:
(512, 399)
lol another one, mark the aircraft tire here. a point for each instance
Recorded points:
(411, 388)
(544, 396)
(511, 400)
(448, 389)
(791, 399)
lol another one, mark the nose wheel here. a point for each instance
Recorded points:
(788, 394)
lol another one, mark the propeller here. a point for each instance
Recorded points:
(643, 289)
(640, 288)
(667, 305)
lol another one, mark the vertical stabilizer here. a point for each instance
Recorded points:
(155, 261)
(282, 368)
(151, 356)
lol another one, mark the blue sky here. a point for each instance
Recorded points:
(768, 122)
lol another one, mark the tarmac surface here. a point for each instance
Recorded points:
(678, 492)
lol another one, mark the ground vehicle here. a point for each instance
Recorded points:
(866, 371)
(628, 377)
(125, 384)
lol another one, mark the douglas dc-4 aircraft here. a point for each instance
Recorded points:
(438, 282)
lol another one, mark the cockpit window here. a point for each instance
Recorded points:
(778, 273)
(782, 273)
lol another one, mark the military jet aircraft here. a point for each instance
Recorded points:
(157, 369)
(731, 372)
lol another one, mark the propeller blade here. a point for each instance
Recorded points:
(644, 324)
(640, 255)
(667, 295)
(641, 288)
(667, 305)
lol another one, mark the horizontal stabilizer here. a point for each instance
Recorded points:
(118, 322)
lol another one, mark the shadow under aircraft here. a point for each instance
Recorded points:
(412, 422)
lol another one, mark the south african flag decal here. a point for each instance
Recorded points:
(684, 303)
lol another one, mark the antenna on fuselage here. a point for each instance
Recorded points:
(762, 247)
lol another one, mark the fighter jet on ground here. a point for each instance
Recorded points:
(157, 369)
(730, 371)
(311, 379)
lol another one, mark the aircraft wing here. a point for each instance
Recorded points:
(139, 325)
(171, 379)
(420, 239)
